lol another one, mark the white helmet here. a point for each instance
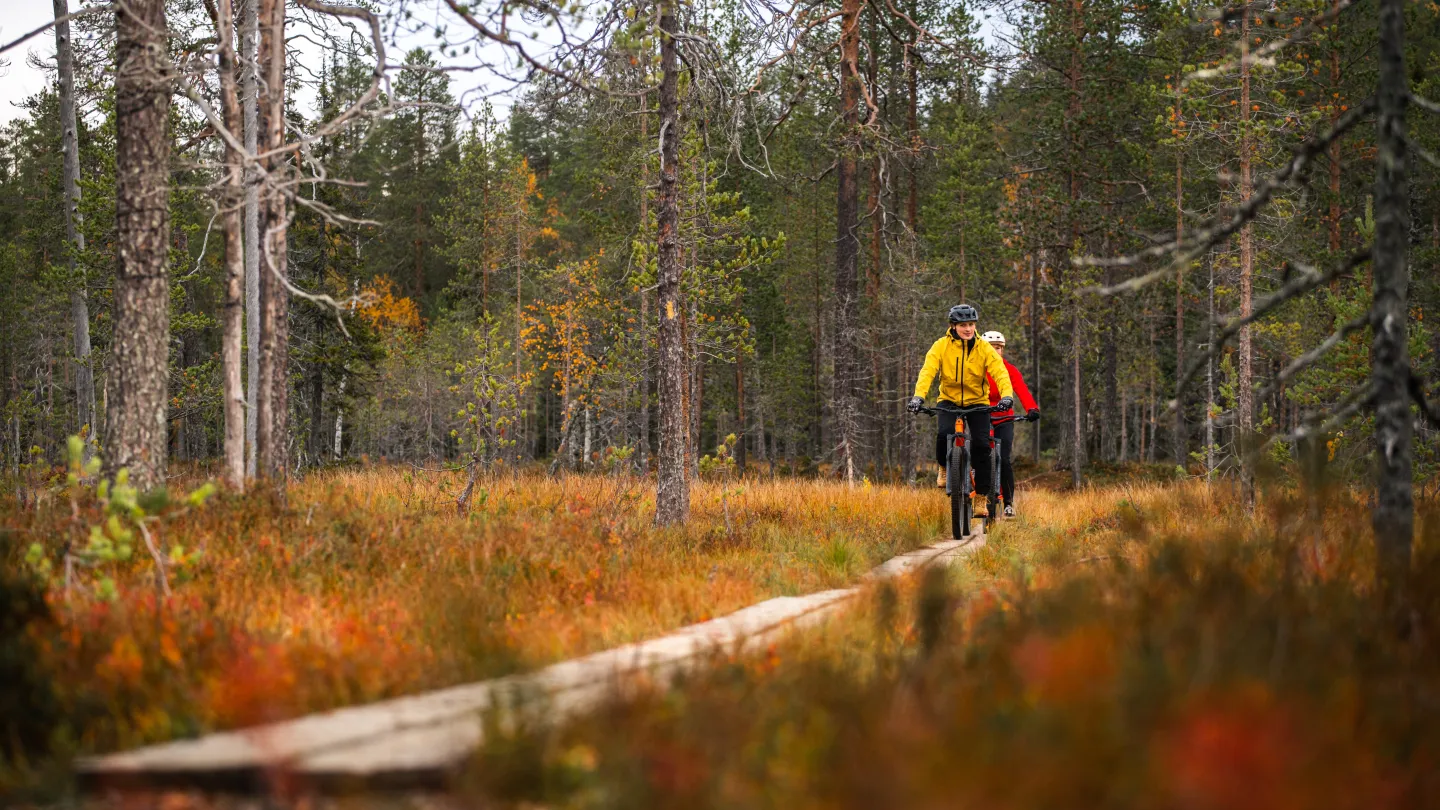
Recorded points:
(993, 337)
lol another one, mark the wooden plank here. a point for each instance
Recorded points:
(418, 741)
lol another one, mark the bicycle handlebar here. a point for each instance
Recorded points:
(974, 409)
(959, 410)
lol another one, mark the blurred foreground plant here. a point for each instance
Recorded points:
(1224, 672)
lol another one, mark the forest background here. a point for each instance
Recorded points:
(488, 292)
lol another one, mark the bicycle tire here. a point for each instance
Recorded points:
(994, 502)
(958, 473)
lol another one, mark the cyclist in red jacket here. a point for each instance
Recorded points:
(1005, 434)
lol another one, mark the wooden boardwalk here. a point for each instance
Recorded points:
(419, 741)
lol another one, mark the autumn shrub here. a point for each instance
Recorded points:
(1234, 662)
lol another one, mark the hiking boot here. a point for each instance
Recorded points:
(940, 479)
(980, 506)
(1009, 511)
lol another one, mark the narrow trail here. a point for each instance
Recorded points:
(418, 741)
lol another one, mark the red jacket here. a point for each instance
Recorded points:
(1018, 382)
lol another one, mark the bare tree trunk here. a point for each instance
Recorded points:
(339, 424)
(1124, 425)
(1077, 402)
(234, 313)
(741, 433)
(847, 237)
(1179, 437)
(79, 300)
(139, 372)
(1334, 103)
(1072, 122)
(644, 450)
(672, 488)
(1112, 366)
(272, 416)
(912, 132)
(1036, 265)
(1210, 383)
(249, 39)
(696, 410)
(1393, 518)
(1154, 421)
(1245, 386)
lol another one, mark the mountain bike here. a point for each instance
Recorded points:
(995, 459)
(957, 470)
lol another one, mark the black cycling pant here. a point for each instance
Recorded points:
(978, 426)
(1005, 438)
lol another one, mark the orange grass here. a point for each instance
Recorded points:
(369, 584)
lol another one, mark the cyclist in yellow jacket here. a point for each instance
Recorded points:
(961, 361)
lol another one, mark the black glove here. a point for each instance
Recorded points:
(1033, 415)
(1006, 403)
(913, 406)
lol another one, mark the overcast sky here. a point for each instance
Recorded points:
(18, 80)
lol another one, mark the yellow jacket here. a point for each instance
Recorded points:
(961, 366)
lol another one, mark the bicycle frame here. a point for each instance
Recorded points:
(960, 439)
(960, 445)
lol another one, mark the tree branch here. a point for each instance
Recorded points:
(1425, 103)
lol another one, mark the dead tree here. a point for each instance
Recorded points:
(249, 36)
(231, 215)
(1393, 386)
(271, 411)
(1394, 515)
(74, 236)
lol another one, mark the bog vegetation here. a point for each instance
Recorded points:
(324, 376)
(1107, 653)
(371, 585)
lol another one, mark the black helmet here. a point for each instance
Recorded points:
(964, 313)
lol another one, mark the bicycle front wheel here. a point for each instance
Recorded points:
(960, 506)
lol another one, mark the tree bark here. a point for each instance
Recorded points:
(271, 443)
(847, 237)
(672, 488)
(1244, 387)
(139, 372)
(234, 304)
(79, 299)
(1393, 518)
